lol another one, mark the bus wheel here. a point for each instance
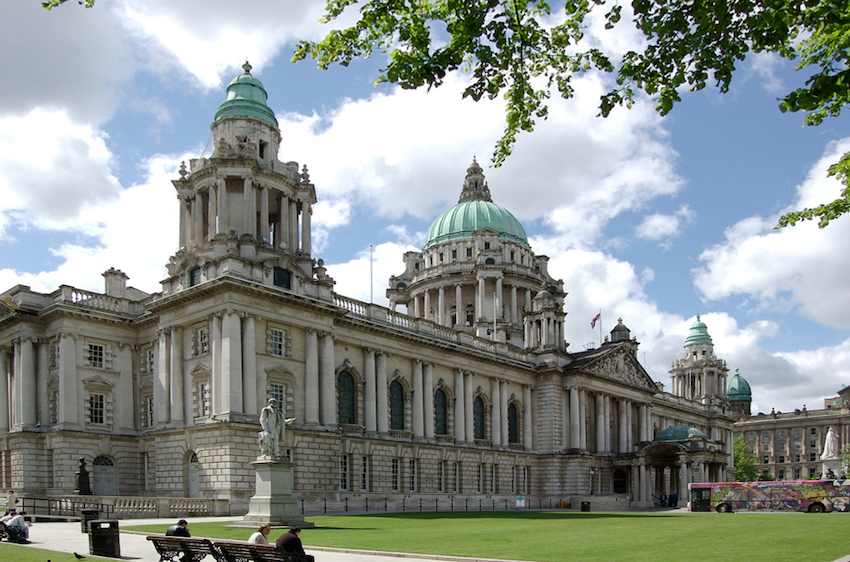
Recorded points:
(816, 508)
(722, 508)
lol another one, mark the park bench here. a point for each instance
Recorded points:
(11, 534)
(248, 552)
(184, 549)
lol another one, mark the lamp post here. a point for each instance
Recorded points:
(591, 481)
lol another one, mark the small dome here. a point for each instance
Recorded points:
(738, 389)
(475, 210)
(698, 334)
(680, 433)
(246, 97)
(620, 332)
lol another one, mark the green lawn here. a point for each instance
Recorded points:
(558, 536)
(16, 553)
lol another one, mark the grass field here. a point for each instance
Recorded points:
(558, 536)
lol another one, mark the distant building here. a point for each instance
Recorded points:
(469, 393)
(788, 445)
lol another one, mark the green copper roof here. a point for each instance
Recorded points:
(246, 97)
(474, 211)
(698, 333)
(738, 389)
(680, 433)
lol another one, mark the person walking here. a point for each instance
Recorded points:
(11, 501)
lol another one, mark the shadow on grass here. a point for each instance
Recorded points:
(533, 515)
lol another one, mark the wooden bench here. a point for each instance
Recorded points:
(249, 552)
(188, 549)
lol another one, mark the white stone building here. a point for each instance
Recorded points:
(470, 393)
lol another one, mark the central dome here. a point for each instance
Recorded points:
(474, 211)
(246, 97)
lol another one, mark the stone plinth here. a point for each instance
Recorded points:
(831, 464)
(273, 501)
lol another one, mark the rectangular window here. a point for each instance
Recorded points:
(149, 359)
(765, 447)
(486, 245)
(812, 472)
(203, 341)
(492, 478)
(782, 433)
(412, 475)
(456, 478)
(780, 446)
(441, 476)
(364, 474)
(343, 472)
(277, 342)
(395, 475)
(766, 459)
(813, 456)
(204, 405)
(480, 480)
(525, 480)
(780, 474)
(813, 431)
(149, 408)
(276, 391)
(513, 480)
(94, 355)
(454, 254)
(798, 432)
(469, 252)
(813, 444)
(765, 435)
(97, 408)
(796, 474)
(797, 458)
(781, 458)
(797, 445)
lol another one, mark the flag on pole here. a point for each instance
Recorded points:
(595, 320)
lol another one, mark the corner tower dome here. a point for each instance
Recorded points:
(738, 388)
(698, 334)
(246, 97)
(474, 211)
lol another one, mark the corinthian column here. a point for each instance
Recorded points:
(428, 395)
(311, 374)
(327, 384)
(371, 392)
(383, 414)
(418, 422)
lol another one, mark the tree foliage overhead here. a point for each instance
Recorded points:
(525, 50)
(745, 462)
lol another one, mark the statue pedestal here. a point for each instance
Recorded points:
(830, 464)
(273, 502)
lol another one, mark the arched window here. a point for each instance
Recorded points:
(345, 383)
(396, 405)
(489, 261)
(478, 416)
(441, 413)
(513, 430)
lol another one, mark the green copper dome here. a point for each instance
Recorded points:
(698, 333)
(680, 433)
(738, 389)
(246, 97)
(474, 211)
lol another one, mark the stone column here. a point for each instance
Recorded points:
(607, 423)
(496, 417)
(643, 430)
(282, 228)
(183, 217)
(383, 390)
(644, 484)
(428, 395)
(514, 316)
(505, 396)
(427, 311)
(264, 213)
(306, 245)
(125, 403)
(215, 360)
(327, 380)
(441, 306)
(479, 299)
(527, 421)
(249, 363)
(223, 207)
(624, 444)
(468, 397)
(311, 375)
(460, 408)
(582, 418)
(418, 404)
(27, 397)
(161, 399)
(197, 222)
(68, 405)
(231, 363)
(600, 423)
(249, 204)
(460, 313)
(5, 363)
(684, 479)
(293, 226)
(575, 424)
(371, 413)
(499, 299)
(42, 376)
(175, 368)
(212, 211)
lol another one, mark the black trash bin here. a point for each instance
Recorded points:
(103, 538)
(585, 506)
(87, 516)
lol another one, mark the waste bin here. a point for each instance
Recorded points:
(87, 516)
(103, 538)
(585, 506)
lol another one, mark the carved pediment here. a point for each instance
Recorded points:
(621, 366)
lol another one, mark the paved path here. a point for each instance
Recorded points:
(67, 537)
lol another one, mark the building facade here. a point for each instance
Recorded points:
(468, 393)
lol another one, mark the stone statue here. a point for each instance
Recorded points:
(830, 446)
(274, 429)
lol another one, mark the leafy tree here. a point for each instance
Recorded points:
(745, 462)
(844, 454)
(522, 50)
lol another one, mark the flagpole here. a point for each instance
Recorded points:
(371, 276)
(600, 327)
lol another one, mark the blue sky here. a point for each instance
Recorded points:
(651, 219)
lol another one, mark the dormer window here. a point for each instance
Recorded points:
(194, 276)
(282, 278)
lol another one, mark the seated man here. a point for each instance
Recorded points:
(19, 531)
(290, 542)
(181, 529)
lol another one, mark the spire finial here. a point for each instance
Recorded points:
(247, 67)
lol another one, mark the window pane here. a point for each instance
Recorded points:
(441, 417)
(396, 406)
(346, 398)
(478, 414)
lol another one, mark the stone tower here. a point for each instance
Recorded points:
(699, 375)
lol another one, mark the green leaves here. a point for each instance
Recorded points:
(50, 4)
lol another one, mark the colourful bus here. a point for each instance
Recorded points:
(813, 496)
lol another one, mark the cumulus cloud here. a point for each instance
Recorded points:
(660, 226)
(800, 266)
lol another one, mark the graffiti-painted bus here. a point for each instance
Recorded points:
(814, 496)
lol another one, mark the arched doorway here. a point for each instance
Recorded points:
(193, 476)
(104, 477)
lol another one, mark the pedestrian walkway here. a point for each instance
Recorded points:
(67, 537)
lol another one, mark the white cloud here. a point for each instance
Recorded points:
(802, 266)
(660, 226)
